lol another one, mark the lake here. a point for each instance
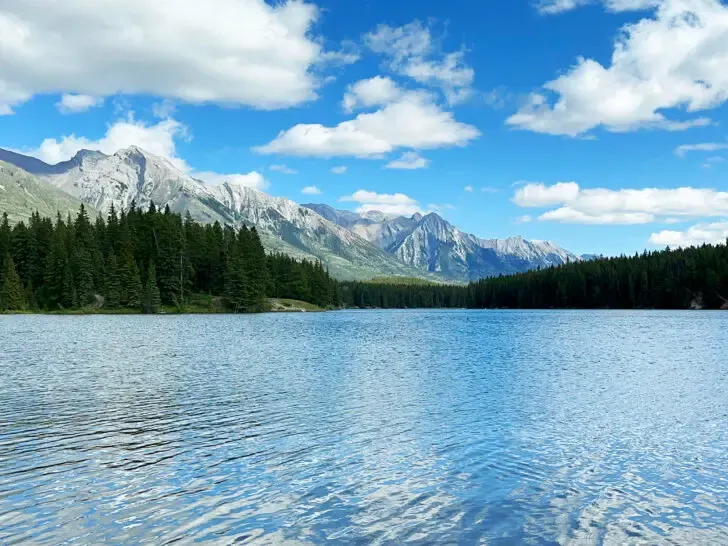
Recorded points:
(365, 427)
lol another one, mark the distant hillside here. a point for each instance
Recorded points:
(21, 194)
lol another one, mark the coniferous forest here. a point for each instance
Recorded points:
(146, 261)
(149, 261)
(694, 277)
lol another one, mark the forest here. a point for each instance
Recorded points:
(152, 261)
(694, 277)
(147, 261)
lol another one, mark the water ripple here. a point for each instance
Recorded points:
(365, 428)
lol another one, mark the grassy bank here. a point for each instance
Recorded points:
(198, 304)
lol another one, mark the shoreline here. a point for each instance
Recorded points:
(274, 305)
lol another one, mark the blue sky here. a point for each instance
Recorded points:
(599, 125)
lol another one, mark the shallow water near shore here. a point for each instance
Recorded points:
(365, 427)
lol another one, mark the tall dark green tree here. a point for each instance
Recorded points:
(12, 293)
(152, 300)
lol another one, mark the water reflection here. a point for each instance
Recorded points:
(365, 427)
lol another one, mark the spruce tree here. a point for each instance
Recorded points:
(112, 295)
(130, 281)
(152, 300)
(12, 294)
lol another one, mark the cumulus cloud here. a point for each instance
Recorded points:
(339, 169)
(376, 91)
(674, 59)
(413, 121)
(713, 233)
(409, 161)
(158, 139)
(396, 204)
(250, 180)
(624, 206)
(311, 190)
(702, 147)
(413, 52)
(283, 169)
(74, 104)
(540, 195)
(550, 7)
(250, 52)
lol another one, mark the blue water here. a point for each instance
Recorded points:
(369, 427)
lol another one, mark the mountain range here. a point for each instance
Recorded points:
(430, 243)
(352, 245)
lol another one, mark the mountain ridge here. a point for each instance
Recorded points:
(132, 175)
(354, 246)
(432, 243)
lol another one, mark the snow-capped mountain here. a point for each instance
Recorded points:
(432, 244)
(135, 176)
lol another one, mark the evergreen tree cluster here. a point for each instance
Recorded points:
(403, 296)
(145, 261)
(695, 277)
(148, 260)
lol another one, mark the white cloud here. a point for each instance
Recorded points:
(74, 104)
(623, 206)
(339, 169)
(702, 147)
(247, 52)
(568, 215)
(413, 121)
(413, 52)
(252, 179)
(311, 190)
(523, 219)
(397, 204)
(550, 7)
(284, 169)
(158, 139)
(409, 161)
(714, 233)
(376, 91)
(540, 195)
(675, 59)
(469, 188)
(164, 108)
(348, 54)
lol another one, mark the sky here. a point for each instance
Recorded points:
(597, 124)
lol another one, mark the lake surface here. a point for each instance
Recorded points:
(369, 427)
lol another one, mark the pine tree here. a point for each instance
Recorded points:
(130, 281)
(152, 301)
(112, 296)
(12, 294)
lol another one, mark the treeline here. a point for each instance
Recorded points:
(402, 296)
(695, 277)
(150, 260)
(146, 261)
